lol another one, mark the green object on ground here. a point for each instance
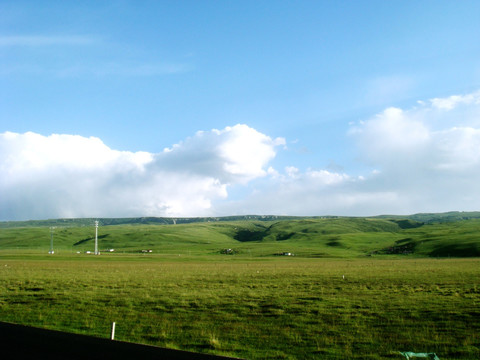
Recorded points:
(409, 355)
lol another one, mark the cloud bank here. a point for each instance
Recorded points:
(73, 176)
(422, 159)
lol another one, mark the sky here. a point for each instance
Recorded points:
(217, 108)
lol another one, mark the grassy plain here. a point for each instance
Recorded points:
(254, 308)
(357, 288)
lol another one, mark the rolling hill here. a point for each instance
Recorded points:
(435, 235)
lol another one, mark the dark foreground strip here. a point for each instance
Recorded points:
(26, 342)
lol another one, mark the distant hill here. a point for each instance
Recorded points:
(427, 218)
(430, 218)
(137, 220)
(438, 235)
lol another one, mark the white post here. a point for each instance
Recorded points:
(96, 237)
(112, 335)
(51, 239)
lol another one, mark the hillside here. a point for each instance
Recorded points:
(255, 236)
(427, 218)
(138, 221)
(430, 218)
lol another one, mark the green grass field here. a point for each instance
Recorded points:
(331, 237)
(356, 289)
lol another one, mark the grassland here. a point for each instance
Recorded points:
(284, 308)
(356, 289)
(331, 237)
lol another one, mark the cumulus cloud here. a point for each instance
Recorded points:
(454, 101)
(440, 135)
(293, 192)
(74, 176)
(234, 155)
(429, 155)
(421, 159)
(390, 135)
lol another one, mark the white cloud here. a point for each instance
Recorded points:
(292, 172)
(423, 159)
(392, 134)
(327, 177)
(74, 176)
(432, 137)
(453, 101)
(235, 154)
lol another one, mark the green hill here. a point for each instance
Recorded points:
(454, 238)
(138, 220)
(435, 218)
(439, 235)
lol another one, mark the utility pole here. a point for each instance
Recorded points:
(96, 238)
(51, 240)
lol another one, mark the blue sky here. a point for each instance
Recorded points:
(199, 108)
